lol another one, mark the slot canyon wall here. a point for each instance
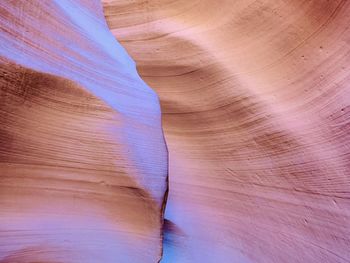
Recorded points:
(255, 102)
(255, 111)
(83, 163)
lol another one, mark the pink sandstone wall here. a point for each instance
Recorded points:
(83, 163)
(255, 111)
(255, 98)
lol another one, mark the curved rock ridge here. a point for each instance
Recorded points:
(83, 162)
(255, 101)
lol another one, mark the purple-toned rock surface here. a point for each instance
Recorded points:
(255, 101)
(83, 163)
(255, 110)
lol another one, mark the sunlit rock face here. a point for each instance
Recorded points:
(83, 163)
(255, 100)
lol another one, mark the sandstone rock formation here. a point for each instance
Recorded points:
(255, 101)
(255, 112)
(83, 163)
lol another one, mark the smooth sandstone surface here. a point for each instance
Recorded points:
(255, 101)
(255, 111)
(83, 163)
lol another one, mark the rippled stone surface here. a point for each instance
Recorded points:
(255, 101)
(255, 109)
(83, 163)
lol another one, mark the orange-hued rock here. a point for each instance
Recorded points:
(83, 163)
(255, 100)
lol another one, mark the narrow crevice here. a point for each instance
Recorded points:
(165, 200)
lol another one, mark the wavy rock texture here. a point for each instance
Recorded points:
(255, 101)
(83, 163)
(255, 107)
